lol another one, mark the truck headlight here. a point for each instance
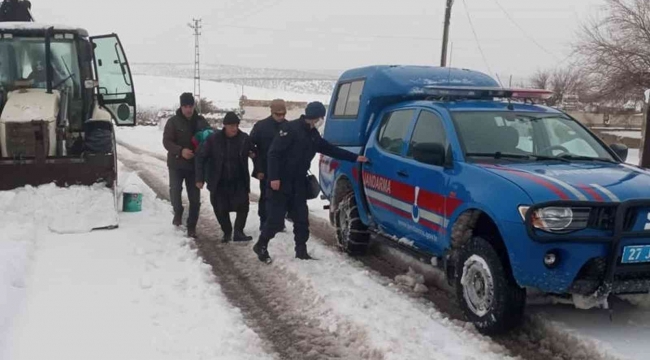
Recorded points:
(558, 219)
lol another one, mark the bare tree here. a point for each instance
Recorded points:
(616, 49)
(565, 81)
(541, 79)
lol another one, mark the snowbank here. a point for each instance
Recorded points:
(139, 291)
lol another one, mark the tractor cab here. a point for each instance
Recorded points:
(61, 91)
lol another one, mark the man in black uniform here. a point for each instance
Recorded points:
(229, 181)
(289, 159)
(262, 136)
(177, 139)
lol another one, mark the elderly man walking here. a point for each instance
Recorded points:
(227, 152)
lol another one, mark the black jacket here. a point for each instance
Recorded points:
(178, 136)
(262, 135)
(214, 150)
(292, 151)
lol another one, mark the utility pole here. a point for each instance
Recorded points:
(445, 36)
(196, 26)
(644, 150)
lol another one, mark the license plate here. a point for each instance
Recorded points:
(636, 254)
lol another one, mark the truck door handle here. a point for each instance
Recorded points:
(403, 173)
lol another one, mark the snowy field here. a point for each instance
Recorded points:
(163, 92)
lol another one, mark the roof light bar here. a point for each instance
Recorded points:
(486, 92)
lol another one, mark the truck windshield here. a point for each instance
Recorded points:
(22, 64)
(526, 136)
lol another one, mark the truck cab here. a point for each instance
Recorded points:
(502, 194)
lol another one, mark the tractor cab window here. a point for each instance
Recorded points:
(23, 65)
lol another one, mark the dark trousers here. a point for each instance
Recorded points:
(277, 205)
(176, 178)
(223, 213)
(261, 210)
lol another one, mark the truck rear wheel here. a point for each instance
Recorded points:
(488, 295)
(353, 236)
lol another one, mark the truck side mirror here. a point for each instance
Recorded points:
(620, 150)
(429, 153)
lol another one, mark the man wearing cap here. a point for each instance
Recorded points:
(262, 136)
(177, 139)
(227, 151)
(289, 159)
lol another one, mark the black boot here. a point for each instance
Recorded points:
(178, 220)
(301, 253)
(227, 237)
(262, 253)
(240, 236)
(191, 233)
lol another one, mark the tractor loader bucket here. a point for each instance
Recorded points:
(34, 168)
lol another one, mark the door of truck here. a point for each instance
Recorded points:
(115, 92)
(386, 193)
(428, 182)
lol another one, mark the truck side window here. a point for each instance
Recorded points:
(428, 129)
(348, 99)
(393, 130)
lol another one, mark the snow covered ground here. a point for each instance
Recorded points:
(163, 92)
(623, 337)
(137, 292)
(345, 297)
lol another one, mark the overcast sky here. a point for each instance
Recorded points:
(335, 34)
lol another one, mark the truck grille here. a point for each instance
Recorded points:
(603, 218)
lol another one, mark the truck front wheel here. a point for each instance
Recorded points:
(353, 236)
(488, 295)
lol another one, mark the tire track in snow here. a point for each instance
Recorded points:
(275, 305)
(535, 340)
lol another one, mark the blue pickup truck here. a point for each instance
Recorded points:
(501, 193)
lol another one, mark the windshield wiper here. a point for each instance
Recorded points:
(586, 158)
(545, 158)
(500, 155)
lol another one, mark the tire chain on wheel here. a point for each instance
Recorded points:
(358, 231)
(509, 299)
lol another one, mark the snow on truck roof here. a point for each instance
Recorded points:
(389, 80)
(38, 28)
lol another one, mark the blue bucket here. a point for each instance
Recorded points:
(131, 202)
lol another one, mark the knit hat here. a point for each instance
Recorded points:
(187, 99)
(278, 106)
(231, 118)
(315, 110)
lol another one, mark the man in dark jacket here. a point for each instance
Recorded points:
(289, 159)
(227, 151)
(177, 139)
(262, 136)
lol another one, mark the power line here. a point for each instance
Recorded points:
(512, 20)
(251, 13)
(478, 43)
